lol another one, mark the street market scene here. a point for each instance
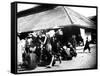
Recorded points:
(52, 37)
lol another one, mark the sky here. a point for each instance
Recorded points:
(22, 7)
(87, 12)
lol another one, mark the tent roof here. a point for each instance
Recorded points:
(58, 16)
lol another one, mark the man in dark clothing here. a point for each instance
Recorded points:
(87, 45)
(56, 44)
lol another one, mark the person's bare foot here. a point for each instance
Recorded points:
(48, 66)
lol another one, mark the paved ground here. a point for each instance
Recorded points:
(83, 60)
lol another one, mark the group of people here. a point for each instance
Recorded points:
(45, 48)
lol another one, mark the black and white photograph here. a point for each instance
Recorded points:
(55, 37)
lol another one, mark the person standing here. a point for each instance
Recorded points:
(73, 41)
(87, 45)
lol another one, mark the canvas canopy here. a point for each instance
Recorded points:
(56, 17)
